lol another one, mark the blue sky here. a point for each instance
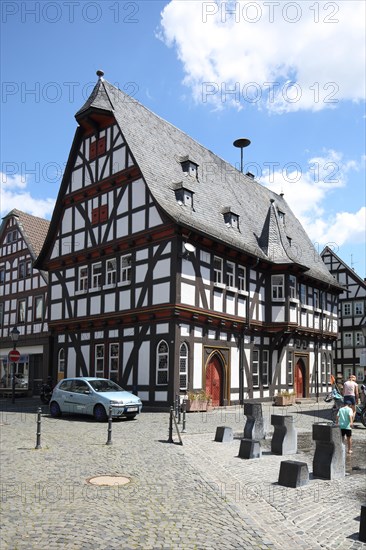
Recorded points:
(290, 76)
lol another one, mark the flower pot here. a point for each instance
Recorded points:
(284, 400)
(196, 405)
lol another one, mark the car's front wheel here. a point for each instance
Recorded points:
(55, 410)
(99, 413)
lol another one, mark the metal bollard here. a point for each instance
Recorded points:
(184, 406)
(176, 405)
(38, 442)
(109, 440)
(170, 438)
(179, 410)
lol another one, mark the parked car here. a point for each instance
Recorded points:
(93, 396)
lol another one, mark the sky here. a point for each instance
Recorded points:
(289, 76)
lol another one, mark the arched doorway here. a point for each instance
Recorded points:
(300, 378)
(215, 380)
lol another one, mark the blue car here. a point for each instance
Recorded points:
(93, 396)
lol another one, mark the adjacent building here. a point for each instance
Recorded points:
(171, 271)
(350, 348)
(23, 299)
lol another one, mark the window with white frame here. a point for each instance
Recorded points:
(113, 360)
(28, 269)
(316, 298)
(21, 311)
(126, 269)
(265, 367)
(292, 286)
(230, 273)
(302, 293)
(183, 367)
(329, 365)
(255, 368)
(347, 339)
(347, 309)
(358, 308)
(2, 275)
(61, 360)
(217, 266)
(323, 369)
(290, 368)
(83, 278)
(359, 339)
(241, 277)
(111, 271)
(38, 308)
(99, 359)
(277, 287)
(162, 361)
(1, 314)
(96, 280)
(21, 270)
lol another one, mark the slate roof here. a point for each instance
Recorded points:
(158, 148)
(32, 228)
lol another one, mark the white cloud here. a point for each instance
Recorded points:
(313, 52)
(13, 194)
(307, 193)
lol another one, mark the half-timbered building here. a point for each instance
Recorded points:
(350, 345)
(171, 271)
(23, 297)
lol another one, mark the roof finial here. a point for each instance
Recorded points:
(100, 74)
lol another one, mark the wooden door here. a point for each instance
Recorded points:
(214, 381)
(299, 379)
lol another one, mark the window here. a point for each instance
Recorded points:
(302, 292)
(2, 276)
(111, 271)
(79, 386)
(83, 278)
(96, 281)
(358, 308)
(217, 266)
(241, 277)
(323, 369)
(113, 360)
(100, 214)
(316, 298)
(97, 147)
(290, 368)
(99, 360)
(162, 363)
(21, 311)
(347, 309)
(126, 269)
(358, 339)
(1, 314)
(11, 236)
(230, 274)
(265, 367)
(255, 368)
(347, 339)
(38, 308)
(183, 367)
(61, 360)
(28, 269)
(292, 286)
(21, 270)
(277, 287)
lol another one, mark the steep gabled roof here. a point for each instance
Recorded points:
(32, 229)
(327, 250)
(158, 148)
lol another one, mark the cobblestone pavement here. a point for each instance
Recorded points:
(196, 496)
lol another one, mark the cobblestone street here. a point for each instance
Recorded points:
(196, 496)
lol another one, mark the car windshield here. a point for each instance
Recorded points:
(104, 385)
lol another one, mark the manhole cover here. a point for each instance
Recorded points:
(109, 480)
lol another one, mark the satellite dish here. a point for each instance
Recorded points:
(189, 247)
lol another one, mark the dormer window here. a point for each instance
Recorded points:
(281, 216)
(189, 166)
(184, 196)
(231, 219)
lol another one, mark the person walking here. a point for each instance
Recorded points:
(350, 392)
(345, 422)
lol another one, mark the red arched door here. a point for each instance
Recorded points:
(300, 378)
(214, 381)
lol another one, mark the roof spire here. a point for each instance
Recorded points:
(100, 74)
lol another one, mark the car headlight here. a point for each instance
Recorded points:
(116, 402)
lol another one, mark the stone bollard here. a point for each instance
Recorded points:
(284, 440)
(329, 458)
(254, 426)
(250, 448)
(293, 474)
(224, 434)
(362, 531)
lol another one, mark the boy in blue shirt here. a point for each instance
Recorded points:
(345, 422)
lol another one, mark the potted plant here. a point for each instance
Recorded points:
(198, 401)
(284, 398)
